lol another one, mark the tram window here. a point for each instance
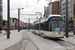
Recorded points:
(56, 25)
(46, 26)
(50, 27)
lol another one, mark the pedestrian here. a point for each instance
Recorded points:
(21, 29)
(5, 29)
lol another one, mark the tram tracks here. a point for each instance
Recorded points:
(28, 44)
(66, 45)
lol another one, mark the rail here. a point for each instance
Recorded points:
(28, 43)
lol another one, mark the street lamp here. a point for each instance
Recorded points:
(22, 8)
(19, 18)
(8, 15)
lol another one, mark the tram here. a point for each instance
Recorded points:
(50, 26)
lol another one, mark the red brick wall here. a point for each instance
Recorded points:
(54, 7)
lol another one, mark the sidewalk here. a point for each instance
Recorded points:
(15, 37)
(70, 39)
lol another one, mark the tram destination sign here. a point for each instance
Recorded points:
(56, 18)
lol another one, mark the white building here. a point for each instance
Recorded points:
(21, 23)
(13, 22)
(70, 12)
(50, 12)
(70, 9)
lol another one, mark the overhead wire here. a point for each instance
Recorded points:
(46, 4)
(35, 6)
(26, 3)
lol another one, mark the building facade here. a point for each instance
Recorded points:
(21, 24)
(60, 2)
(1, 21)
(25, 26)
(55, 7)
(52, 8)
(70, 13)
(74, 17)
(60, 8)
(13, 23)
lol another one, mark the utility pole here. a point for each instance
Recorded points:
(19, 18)
(28, 23)
(67, 24)
(8, 15)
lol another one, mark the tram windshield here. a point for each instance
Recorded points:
(56, 25)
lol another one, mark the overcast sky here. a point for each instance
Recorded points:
(30, 7)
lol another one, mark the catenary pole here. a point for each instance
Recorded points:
(18, 19)
(67, 24)
(8, 15)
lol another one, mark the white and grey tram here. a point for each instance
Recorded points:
(50, 26)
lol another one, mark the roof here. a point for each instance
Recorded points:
(44, 19)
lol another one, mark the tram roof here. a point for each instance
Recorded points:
(54, 15)
(44, 19)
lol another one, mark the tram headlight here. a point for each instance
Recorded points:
(59, 33)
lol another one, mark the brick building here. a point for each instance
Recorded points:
(54, 7)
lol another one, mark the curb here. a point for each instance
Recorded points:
(16, 46)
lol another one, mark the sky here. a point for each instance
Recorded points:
(30, 7)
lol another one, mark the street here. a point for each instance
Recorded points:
(37, 24)
(26, 40)
(37, 42)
